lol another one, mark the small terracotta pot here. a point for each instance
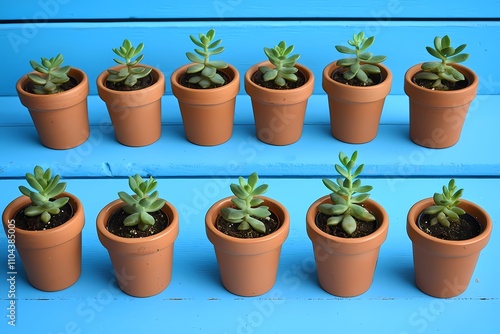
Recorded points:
(248, 267)
(443, 268)
(52, 258)
(136, 115)
(61, 119)
(279, 114)
(346, 266)
(355, 111)
(437, 117)
(143, 266)
(207, 114)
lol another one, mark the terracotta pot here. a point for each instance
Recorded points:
(207, 114)
(346, 266)
(437, 117)
(279, 114)
(136, 115)
(355, 111)
(248, 267)
(52, 258)
(61, 119)
(443, 268)
(143, 266)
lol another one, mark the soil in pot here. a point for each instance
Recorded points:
(466, 228)
(115, 225)
(184, 80)
(258, 78)
(231, 229)
(363, 228)
(445, 85)
(36, 224)
(338, 76)
(72, 82)
(141, 84)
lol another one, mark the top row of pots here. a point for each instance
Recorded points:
(440, 94)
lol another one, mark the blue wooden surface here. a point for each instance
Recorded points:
(196, 302)
(193, 177)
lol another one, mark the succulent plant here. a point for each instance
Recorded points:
(284, 64)
(248, 207)
(445, 209)
(364, 63)
(131, 72)
(51, 76)
(347, 196)
(141, 202)
(208, 76)
(437, 71)
(46, 188)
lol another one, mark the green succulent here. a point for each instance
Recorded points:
(445, 209)
(347, 195)
(131, 72)
(248, 207)
(284, 64)
(46, 188)
(208, 76)
(363, 63)
(438, 71)
(51, 76)
(141, 203)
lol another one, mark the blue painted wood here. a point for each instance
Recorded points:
(88, 45)
(390, 154)
(195, 301)
(230, 9)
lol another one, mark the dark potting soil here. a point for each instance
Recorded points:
(362, 228)
(140, 84)
(36, 223)
(115, 225)
(466, 228)
(184, 80)
(271, 223)
(258, 78)
(72, 82)
(338, 76)
(449, 85)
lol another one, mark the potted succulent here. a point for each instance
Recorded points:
(132, 94)
(279, 89)
(56, 97)
(346, 229)
(440, 93)
(206, 91)
(139, 231)
(47, 223)
(447, 235)
(357, 87)
(247, 231)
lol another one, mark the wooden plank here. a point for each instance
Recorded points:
(88, 46)
(195, 297)
(391, 154)
(233, 9)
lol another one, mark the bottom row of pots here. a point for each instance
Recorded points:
(248, 267)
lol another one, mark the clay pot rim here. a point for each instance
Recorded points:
(381, 231)
(386, 77)
(75, 223)
(159, 83)
(111, 207)
(74, 72)
(306, 88)
(233, 74)
(415, 232)
(281, 232)
(410, 87)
